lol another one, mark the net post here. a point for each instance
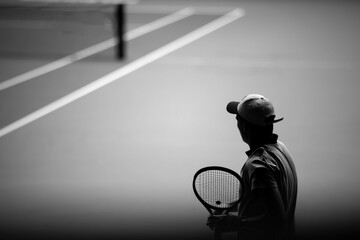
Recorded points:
(120, 30)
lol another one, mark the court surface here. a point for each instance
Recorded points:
(96, 147)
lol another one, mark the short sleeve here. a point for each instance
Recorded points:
(262, 175)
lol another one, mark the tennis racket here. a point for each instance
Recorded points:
(219, 189)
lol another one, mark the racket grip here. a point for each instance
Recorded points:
(217, 234)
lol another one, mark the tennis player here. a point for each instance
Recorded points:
(267, 210)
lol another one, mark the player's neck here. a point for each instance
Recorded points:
(259, 142)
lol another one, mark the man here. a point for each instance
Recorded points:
(267, 210)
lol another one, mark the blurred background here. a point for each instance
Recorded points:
(118, 163)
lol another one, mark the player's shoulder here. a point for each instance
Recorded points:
(258, 153)
(261, 157)
(257, 156)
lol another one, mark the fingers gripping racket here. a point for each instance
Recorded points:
(219, 189)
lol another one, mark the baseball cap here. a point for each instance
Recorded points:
(255, 109)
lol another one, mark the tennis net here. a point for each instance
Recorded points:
(56, 28)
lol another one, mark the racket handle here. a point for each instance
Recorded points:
(217, 234)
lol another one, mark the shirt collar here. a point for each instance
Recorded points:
(272, 140)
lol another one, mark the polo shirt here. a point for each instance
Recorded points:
(269, 166)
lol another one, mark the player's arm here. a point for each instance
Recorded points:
(274, 216)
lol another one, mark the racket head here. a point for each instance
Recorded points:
(218, 188)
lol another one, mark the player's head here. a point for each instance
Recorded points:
(255, 115)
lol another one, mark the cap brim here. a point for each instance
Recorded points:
(277, 120)
(232, 107)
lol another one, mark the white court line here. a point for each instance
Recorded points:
(125, 70)
(166, 9)
(62, 62)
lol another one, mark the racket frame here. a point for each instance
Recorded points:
(209, 207)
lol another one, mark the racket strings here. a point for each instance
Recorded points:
(218, 188)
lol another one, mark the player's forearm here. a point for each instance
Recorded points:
(251, 222)
(261, 221)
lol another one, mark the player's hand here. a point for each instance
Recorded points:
(212, 221)
(224, 223)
